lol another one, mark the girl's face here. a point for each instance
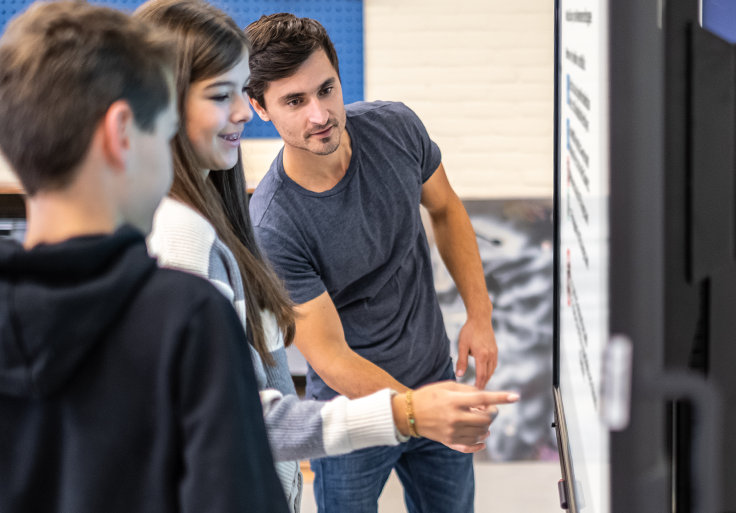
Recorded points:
(216, 111)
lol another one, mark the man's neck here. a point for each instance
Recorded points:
(318, 173)
(54, 217)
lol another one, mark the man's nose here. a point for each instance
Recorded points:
(317, 112)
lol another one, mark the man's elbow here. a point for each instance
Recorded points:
(339, 371)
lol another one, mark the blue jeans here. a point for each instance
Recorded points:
(436, 478)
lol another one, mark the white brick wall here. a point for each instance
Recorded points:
(258, 154)
(480, 75)
(7, 178)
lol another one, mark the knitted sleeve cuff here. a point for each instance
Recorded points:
(370, 421)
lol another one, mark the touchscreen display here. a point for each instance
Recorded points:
(582, 71)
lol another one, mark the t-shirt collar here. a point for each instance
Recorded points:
(349, 173)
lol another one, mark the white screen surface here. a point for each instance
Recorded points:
(583, 224)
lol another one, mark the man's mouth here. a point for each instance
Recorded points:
(324, 133)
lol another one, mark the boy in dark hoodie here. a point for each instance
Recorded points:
(123, 387)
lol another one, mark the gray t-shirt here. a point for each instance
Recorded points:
(363, 242)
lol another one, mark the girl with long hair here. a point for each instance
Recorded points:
(203, 227)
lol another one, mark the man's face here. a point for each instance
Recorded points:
(149, 169)
(307, 108)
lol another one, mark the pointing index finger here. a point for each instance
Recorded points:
(486, 398)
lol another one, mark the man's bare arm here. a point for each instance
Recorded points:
(320, 338)
(447, 412)
(459, 250)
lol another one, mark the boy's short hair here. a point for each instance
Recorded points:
(62, 64)
(280, 44)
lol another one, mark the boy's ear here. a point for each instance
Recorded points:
(117, 127)
(259, 110)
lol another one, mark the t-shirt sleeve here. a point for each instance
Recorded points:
(291, 264)
(419, 142)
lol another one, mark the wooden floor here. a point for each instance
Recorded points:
(527, 487)
(306, 472)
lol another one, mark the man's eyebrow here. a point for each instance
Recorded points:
(327, 83)
(293, 96)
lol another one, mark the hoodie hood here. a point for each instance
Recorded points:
(57, 302)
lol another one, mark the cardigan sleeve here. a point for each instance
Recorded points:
(300, 430)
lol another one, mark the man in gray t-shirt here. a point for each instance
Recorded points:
(338, 216)
(363, 243)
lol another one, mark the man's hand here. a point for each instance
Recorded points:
(456, 415)
(478, 340)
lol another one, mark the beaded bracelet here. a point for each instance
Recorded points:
(410, 416)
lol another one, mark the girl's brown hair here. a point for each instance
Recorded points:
(210, 44)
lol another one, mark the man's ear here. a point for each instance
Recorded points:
(262, 113)
(117, 128)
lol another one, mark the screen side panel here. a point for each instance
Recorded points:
(556, 208)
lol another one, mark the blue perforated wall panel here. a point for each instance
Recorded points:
(343, 20)
(719, 16)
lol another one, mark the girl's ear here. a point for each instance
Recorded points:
(117, 126)
(262, 113)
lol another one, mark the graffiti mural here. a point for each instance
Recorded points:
(515, 243)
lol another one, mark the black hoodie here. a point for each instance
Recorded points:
(124, 387)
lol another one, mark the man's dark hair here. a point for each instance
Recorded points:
(280, 44)
(62, 64)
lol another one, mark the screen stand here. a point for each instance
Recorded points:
(568, 498)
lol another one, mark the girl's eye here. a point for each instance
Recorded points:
(220, 98)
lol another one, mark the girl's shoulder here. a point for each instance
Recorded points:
(172, 214)
(181, 237)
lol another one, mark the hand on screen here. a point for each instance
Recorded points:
(457, 415)
(478, 340)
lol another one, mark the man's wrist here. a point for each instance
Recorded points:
(480, 310)
(483, 317)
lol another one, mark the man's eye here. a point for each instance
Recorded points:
(327, 91)
(292, 103)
